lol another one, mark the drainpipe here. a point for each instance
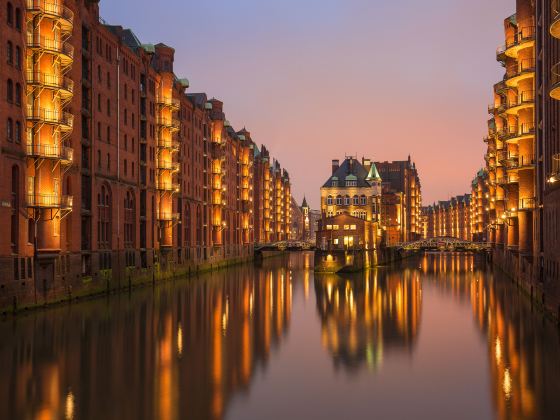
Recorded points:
(118, 156)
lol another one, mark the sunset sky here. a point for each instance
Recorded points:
(317, 79)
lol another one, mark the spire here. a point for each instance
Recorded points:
(373, 174)
(304, 204)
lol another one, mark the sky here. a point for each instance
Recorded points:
(316, 80)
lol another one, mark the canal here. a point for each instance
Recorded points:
(438, 337)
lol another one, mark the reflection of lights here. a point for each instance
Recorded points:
(251, 301)
(179, 340)
(225, 317)
(507, 384)
(498, 350)
(69, 406)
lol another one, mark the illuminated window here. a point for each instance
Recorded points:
(356, 200)
(346, 227)
(329, 200)
(335, 241)
(363, 200)
(329, 227)
(335, 227)
(352, 227)
(339, 200)
(347, 201)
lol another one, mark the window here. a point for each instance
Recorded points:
(339, 200)
(347, 201)
(346, 227)
(99, 75)
(109, 80)
(108, 108)
(9, 52)
(18, 132)
(9, 14)
(108, 162)
(18, 94)
(125, 167)
(334, 183)
(18, 57)
(10, 91)
(351, 183)
(99, 158)
(99, 102)
(335, 241)
(329, 227)
(329, 200)
(363, 200)
(108, 134)
(356, 200)
(335, 227)
(18, 19)
(10, 130)
(352, 227)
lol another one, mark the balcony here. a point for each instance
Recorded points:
(57, 47)
(168, 102)
(525, 99)
(517, 72)
(167, 186)
(172, 145)
(169, 123)
(167, 217)
(52, 9)
(51, 151)
(527, 203)
(50, 201)
(51, 116)
(554, 175)
(555, 81)
(508, 180)
(167, 166)
(62, 84)
(524, 38)
(555, 18)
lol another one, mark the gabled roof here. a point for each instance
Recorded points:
(373, 174)
(350, 169)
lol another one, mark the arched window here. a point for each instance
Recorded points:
(329, 200)
(9, 14)
(10, 52)
(14, 231)
(18, 132)
(18, 19)
(347, 200)
(104, 218)
(198, 226)
(129, 220)
(10, 91)
(363, 200)
(10, 129)
(18, 94)
(339, 200)
(18, 57)
(355, 200)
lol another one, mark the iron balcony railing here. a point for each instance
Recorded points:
(50, 116)
(527, 65)
(523, 35)
(555, 18)
(52, 8)
(39, 200)
(168, 102)
(527, 203)
(52, 45)
(166, 216)
(50, 80)
(51, 151)
(167, 166)
(167, 186)
(170, 123)
(555, 80)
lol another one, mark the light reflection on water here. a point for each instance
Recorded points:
(241, 343)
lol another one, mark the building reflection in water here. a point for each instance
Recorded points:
(179, 351)
(186, 348)
(365, 315)
(523, 348)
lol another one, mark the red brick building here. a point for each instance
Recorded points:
(112, 172)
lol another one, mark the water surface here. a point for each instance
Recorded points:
(438, 337)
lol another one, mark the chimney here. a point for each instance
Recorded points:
(335, 165)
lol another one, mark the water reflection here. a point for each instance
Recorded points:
(364, 316)
(187, 349)
(177, 352)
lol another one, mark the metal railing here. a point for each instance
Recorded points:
(555, 80)
(170, 102)
(40, 200)
(51, 7)
(50, 80)
(167, 186)
(555, 18)
(171, 123)
(527, 203)
(166, 216)
(50, 116)
(56, 46)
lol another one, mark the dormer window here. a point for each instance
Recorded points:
(335, 183)
(351, 183)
